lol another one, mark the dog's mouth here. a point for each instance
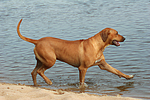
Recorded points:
(116, 43)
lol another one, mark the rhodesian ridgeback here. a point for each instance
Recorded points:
(79, 53)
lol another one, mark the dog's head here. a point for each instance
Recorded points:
(111, 36)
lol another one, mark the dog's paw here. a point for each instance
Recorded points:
(49, 82)
(82, 85)
(130, 77)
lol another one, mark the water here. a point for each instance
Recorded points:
(72, 20)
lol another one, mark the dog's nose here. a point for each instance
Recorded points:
(123, 39)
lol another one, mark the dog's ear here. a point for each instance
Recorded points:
(104, 35)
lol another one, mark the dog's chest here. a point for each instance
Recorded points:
(98, 61)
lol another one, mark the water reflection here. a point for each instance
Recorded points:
(126, 86)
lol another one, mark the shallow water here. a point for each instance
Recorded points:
(72, 20)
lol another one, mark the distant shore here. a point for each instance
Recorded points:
(22, 92)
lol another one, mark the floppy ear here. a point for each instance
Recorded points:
(104, 35)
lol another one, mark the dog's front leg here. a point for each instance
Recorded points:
(105, 66)
(82, 72)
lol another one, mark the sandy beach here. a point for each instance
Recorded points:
(22, 92)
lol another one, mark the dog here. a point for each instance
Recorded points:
(81, 54)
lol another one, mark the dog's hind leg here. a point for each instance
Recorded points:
(47, 57)
(46, 65)
(41, 71)
(34, 72)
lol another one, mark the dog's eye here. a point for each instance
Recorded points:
(117, 33)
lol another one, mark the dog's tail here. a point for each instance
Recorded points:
(25, 38)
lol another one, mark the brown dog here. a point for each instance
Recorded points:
(80, 53)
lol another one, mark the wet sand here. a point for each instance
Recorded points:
(22, 92)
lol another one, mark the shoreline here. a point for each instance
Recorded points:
(23, 92)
